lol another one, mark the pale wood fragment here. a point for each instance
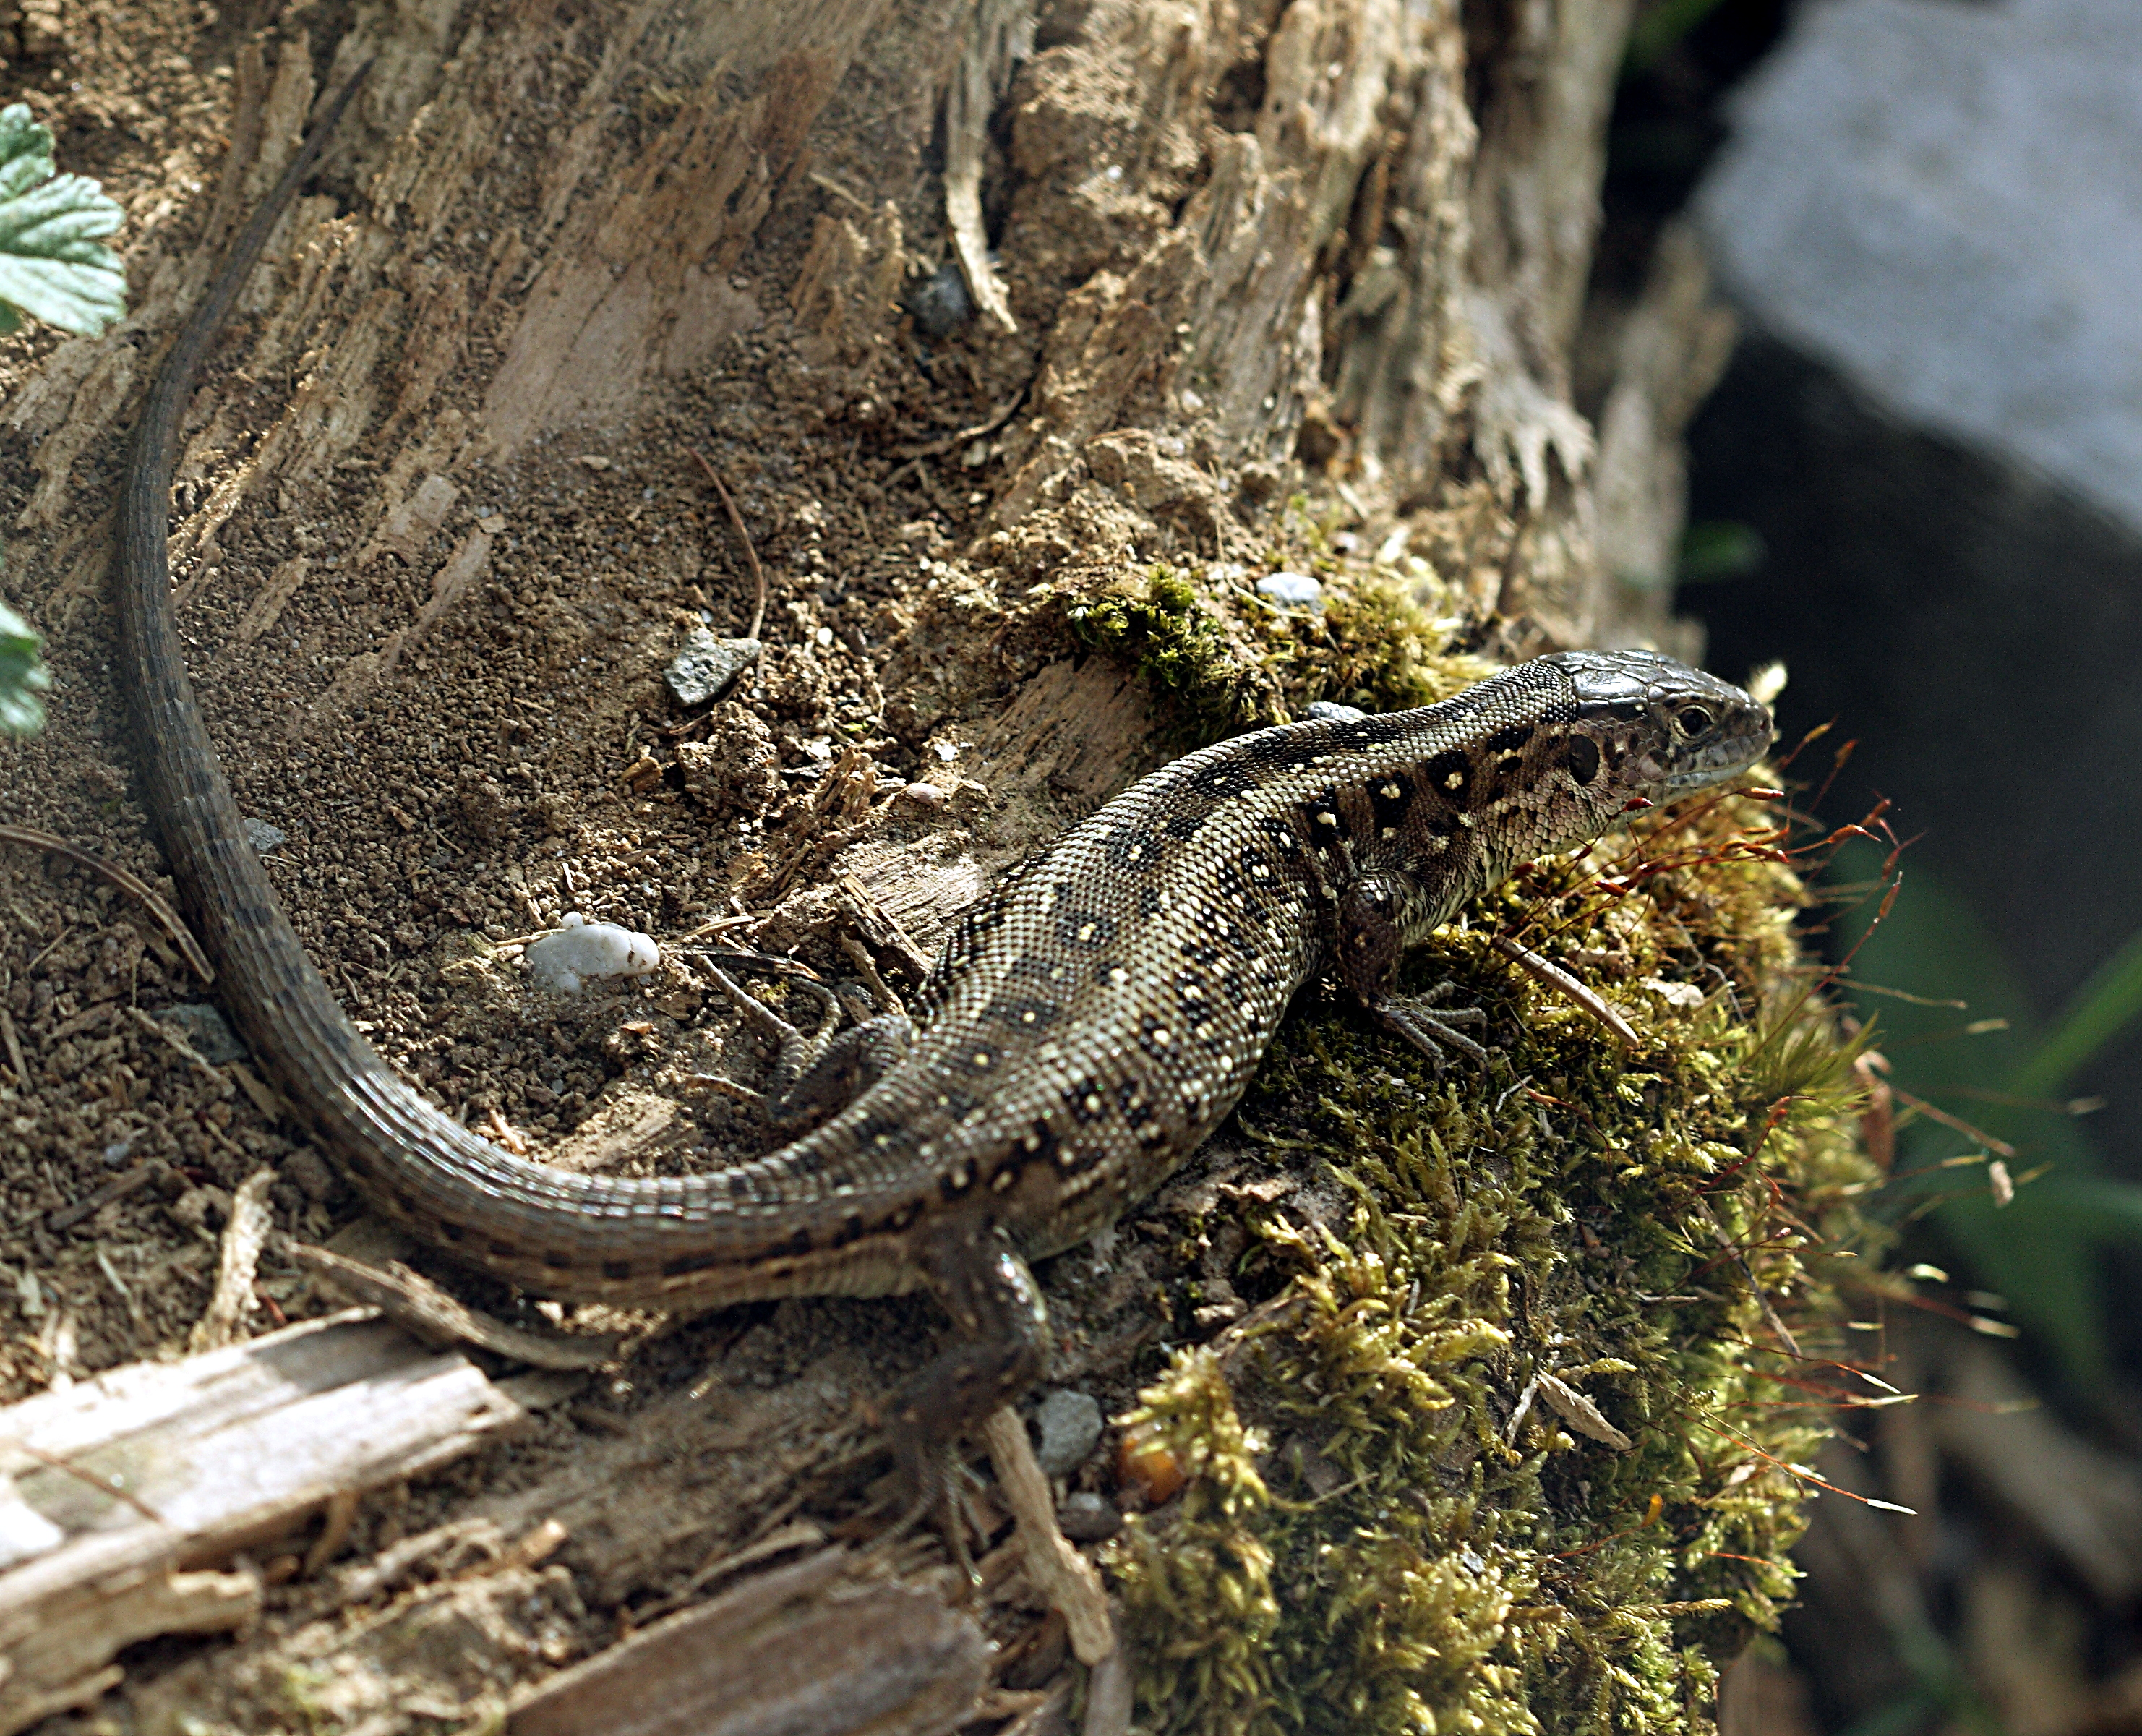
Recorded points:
(789, 1650)
(1071, 1582)
(222, 1323)
(114, 1484)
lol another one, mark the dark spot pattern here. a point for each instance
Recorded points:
(1223, 780)
(1374, 731)
(1021, 1012)
(1391, 799)
(1449, 774)
(1129, 847)
(1088, 929)
(1580, 760)
(1324, 819)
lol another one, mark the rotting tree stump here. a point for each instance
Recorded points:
(1026, 341)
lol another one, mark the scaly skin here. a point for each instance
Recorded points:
(1089, 1023)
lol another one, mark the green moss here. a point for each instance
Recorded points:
(1155, 622)
(1220, 659)
(1373, 1539)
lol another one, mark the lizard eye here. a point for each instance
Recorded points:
(1692, 720)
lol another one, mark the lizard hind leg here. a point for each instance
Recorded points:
(1001, 1349)
(815, 1076)
(1371, 943)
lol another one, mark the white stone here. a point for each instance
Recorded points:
(1297, 590)
(566, 958)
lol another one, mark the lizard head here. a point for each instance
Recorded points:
(1661, 728)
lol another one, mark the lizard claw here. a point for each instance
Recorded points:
(1428, 1027)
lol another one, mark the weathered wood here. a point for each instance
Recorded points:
(1231, 235)
(111, 1490)
(788, 1651)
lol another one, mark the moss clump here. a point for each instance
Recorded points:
(1502, 1445)
(1212, 685)
(1395, 1524)
(1221, 660)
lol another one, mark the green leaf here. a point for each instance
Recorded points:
(51, 266)
(2041, 1251)
(2099, 1010)
(23, 678)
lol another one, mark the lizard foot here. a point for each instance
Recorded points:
(1428, 1027)
(815, 1076)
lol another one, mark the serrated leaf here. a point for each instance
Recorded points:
(26, 150)
(51, 264)
(22, 676)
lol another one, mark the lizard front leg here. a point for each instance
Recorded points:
(1371, 943)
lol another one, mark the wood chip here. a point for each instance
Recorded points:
(792, 1649)
(1067, 1579)
(221, 1452)
(224, 1320)
(1580, 1413)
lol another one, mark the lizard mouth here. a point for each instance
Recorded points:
(1736, 745)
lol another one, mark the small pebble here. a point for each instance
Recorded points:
(264, 837)
(206, 1029)
(1087, 1518)
(579, 950)
(1296, 589)
(939, 305)
(708, 667)
(307, 1167)
(1070, 1424)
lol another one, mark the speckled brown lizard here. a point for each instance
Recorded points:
(1089, 1023)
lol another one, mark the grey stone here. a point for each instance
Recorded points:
(205, 1028)
(1939, 202)
(1087, 1518)
(708, 667)
(264, 837)
(1070, 1424)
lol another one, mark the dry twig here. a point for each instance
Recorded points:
(131, 884)
(751, 554)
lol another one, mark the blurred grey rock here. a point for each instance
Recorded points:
(264, 837)
(708, 667)
(1941, 202)
(1070, 1425)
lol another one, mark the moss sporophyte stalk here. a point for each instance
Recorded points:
(1402, 1511)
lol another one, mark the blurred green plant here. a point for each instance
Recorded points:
(22, 677)
(51, 266)
(1981, 1078)
(1718, 548)
(1659, 29)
